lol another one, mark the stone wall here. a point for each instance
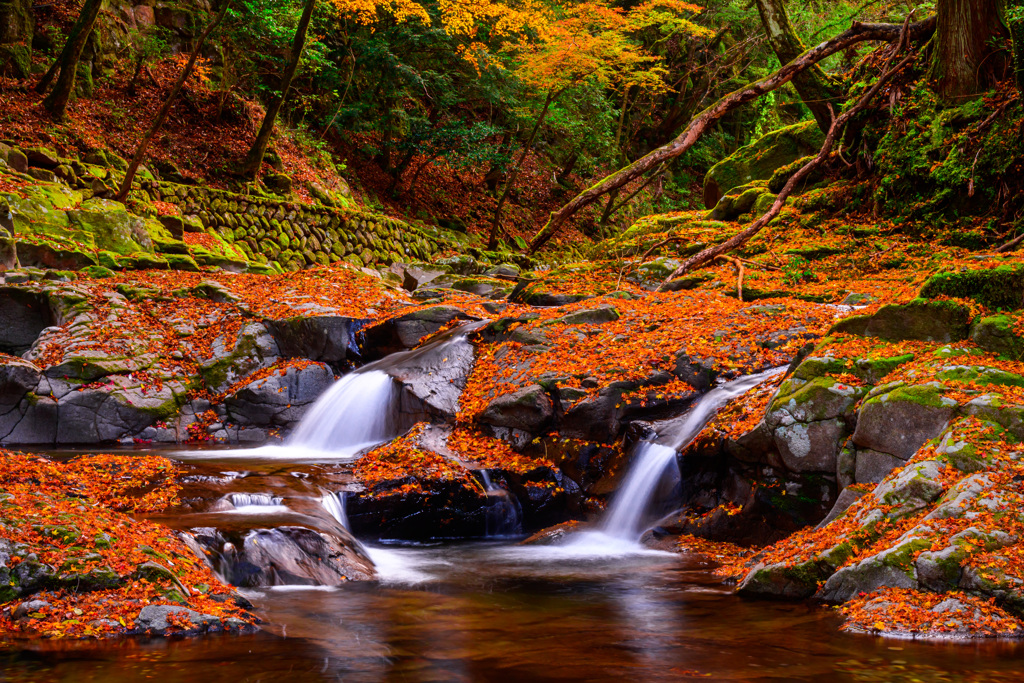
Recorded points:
(297, 235)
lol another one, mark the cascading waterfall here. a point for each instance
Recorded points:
(625, 516)
(354, 414)
(334, 503)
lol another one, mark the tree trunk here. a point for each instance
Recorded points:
(1015, 21)
(858, 33)
(493, 176)
(492, 241)
(813, 85)
(963, 63)
(57, 101)
(140, 151)
(253, 160)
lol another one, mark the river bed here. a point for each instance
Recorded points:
(495, 612)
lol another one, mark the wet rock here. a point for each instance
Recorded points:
(155, 618)
(327, 339)
(406, 331)
(281, 399)
(528, 409)
(23, 316)
(432, 378)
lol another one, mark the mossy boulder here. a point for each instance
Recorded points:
(741, 200)
(997, 288)
(111, 227)
(760, 159)
(997, 333)
(900, 421)
(920, 319)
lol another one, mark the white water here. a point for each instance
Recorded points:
(358, 412)
(335, 504)
(623, 524)
(354, 414)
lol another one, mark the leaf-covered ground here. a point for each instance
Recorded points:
(84, 564)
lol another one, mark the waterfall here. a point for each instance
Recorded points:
(625, 516)
(354, 414)
(335, 504)
(501, 518)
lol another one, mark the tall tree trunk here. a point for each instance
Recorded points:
(492, 241)
(962, 62)
(493, 176)
(158, 121)
(813, 85)
(1015, 21)
(251, 164)
(57, 101)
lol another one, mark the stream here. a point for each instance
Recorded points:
(500, 612)
(595, 606)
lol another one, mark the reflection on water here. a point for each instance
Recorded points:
(508, 613)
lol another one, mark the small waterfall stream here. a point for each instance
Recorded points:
(625, 517)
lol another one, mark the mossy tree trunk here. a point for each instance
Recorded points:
(251, 164)
(1015, 21)
(963, 61)
(16, 28)
(813, 85)
(57, 101)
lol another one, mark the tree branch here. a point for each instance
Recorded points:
(858, 33)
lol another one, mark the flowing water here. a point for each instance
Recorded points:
(596, 607)
(487, 612)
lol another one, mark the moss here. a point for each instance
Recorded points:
(920, 319)
(921, 394)
(760, 159)
(996, 288)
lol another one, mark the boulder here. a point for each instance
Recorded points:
(920, 320)
(432, 378)
(406, 331)
(327, 339)
(282, 398)
(760, 159)
(529, 410)
(902, 420)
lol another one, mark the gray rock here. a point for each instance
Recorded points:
(872, 466)
(291, 555)
(913, 489)
(892, 567)
(25, 608)
(432, 378)
(847, 497)
(589, 316)
(901, 421)
(154, 618)
(406, 331)
(327, 339)
(281, 399)
(529, 409)
(810, 447)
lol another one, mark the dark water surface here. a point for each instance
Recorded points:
(492, 613)
(598, 611)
